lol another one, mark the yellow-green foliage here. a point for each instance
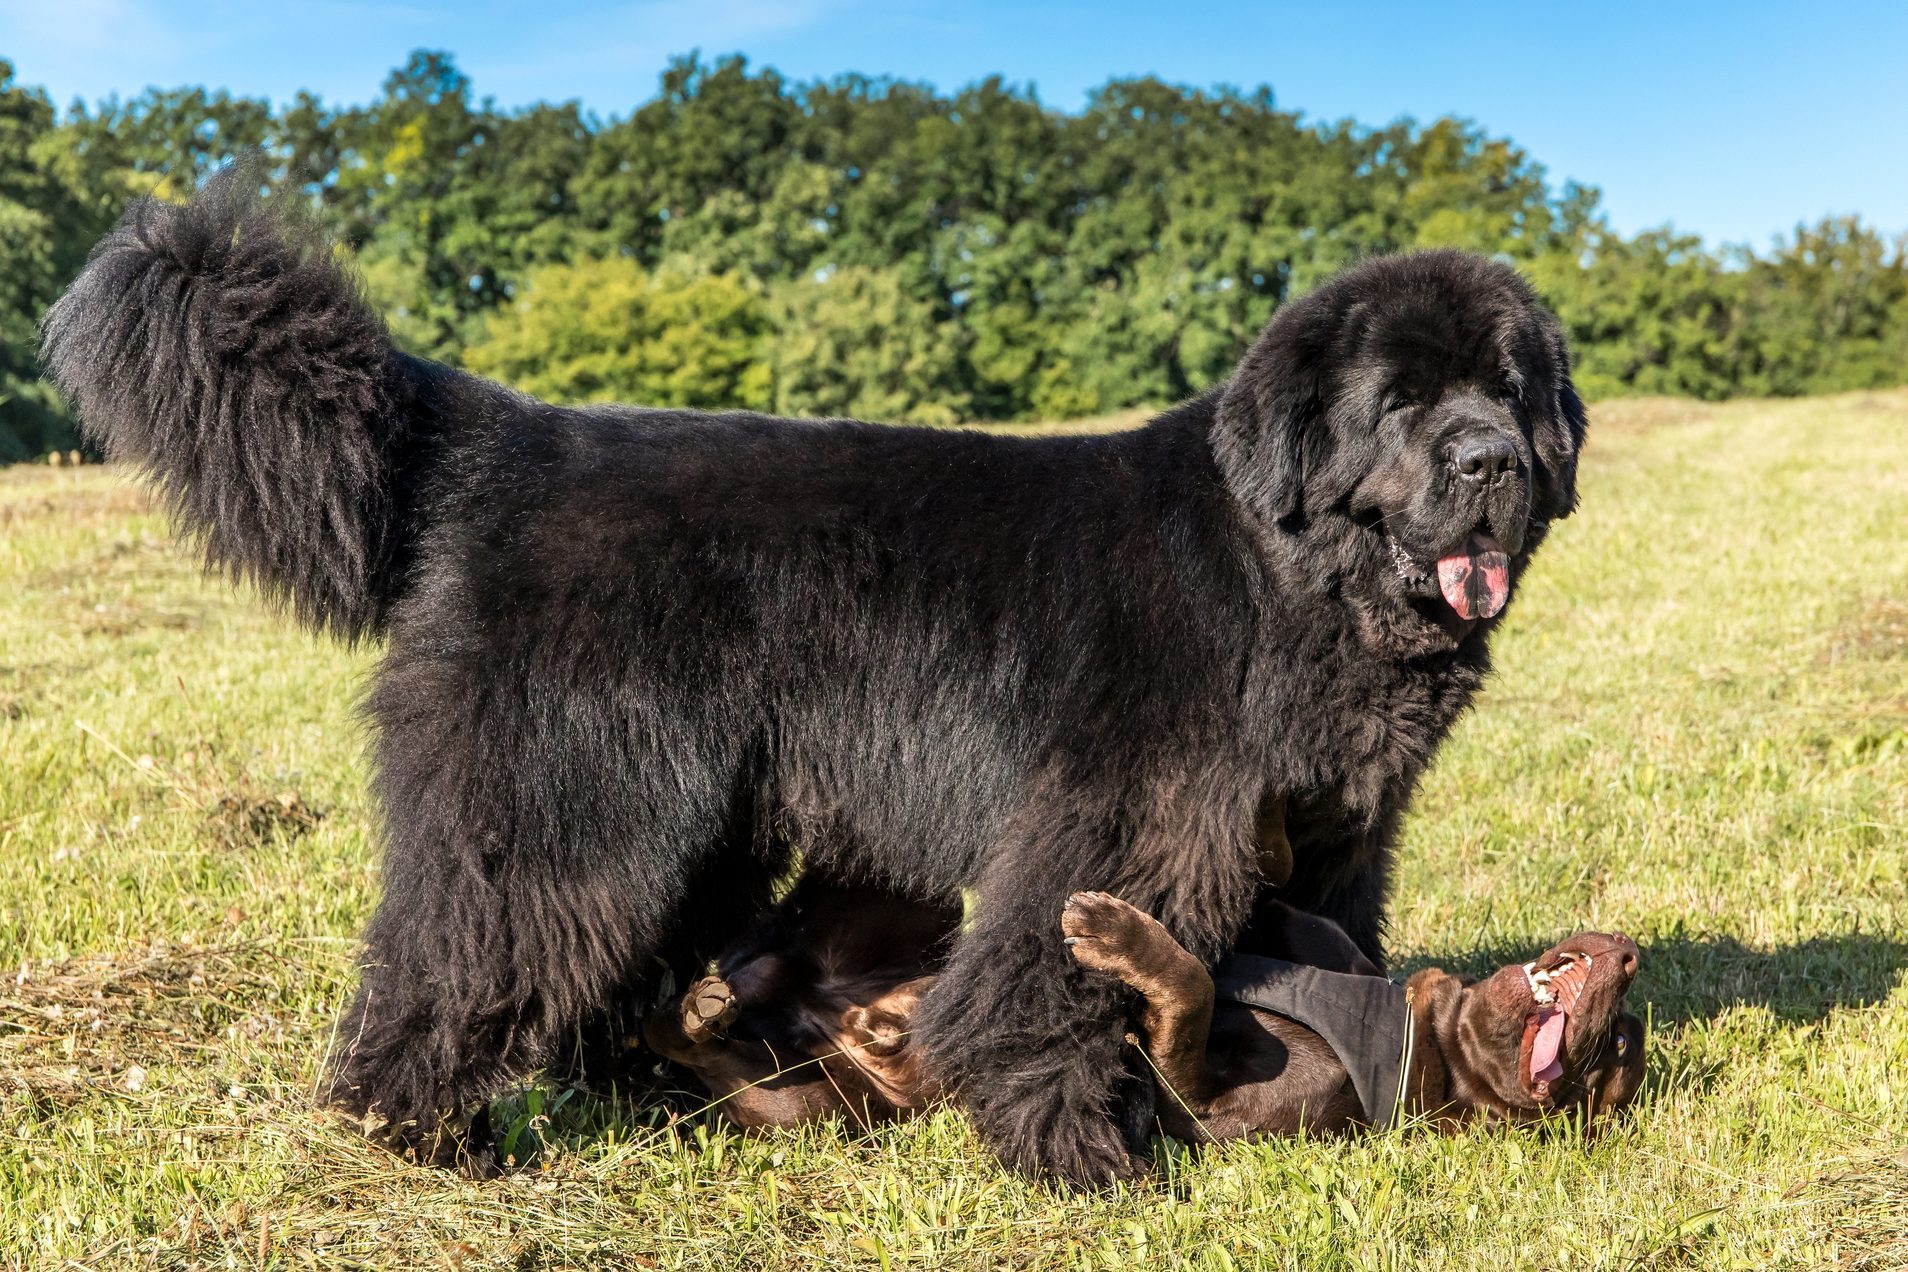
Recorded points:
(854, 343)
(1698, 733)
(609, 331)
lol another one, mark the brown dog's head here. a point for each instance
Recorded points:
(1547, 1036)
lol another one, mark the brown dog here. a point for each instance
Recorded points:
(1532, 1040)
(812, 1018)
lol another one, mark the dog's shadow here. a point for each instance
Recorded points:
(1688, 978)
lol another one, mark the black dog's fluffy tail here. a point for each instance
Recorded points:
(220, 346)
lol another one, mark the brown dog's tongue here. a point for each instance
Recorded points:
(1546, 1050)
(1476, 581)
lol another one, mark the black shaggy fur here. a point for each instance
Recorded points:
(633, 654)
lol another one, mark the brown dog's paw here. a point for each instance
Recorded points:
(708, 1009)
(1108, 935)
(874, 1032)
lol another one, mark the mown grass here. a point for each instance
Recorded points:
(1699, 733)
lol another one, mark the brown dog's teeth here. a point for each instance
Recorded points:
(1539, 983)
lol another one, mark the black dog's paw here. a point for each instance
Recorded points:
(1093, 1161)
(467, 1146)
(478, 1156)
(708, 1009)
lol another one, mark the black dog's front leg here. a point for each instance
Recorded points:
(1030, 1043)
(1344, 874)
(1358, 906)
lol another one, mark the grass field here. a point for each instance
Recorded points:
(1698, 733)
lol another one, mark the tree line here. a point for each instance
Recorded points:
(868, 246)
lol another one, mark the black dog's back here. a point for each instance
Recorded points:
(819, 616)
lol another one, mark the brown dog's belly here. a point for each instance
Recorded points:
(1271, 1076)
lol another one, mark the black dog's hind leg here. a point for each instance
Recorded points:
(537, 859)
(472, 978)
(732, 895)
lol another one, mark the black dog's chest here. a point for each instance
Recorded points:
(1367, 741)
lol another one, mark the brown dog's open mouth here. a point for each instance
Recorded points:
(1555, 991)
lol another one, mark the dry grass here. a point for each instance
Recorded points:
(1115, 422)
(1699, 734)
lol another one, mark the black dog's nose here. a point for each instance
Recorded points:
(1482, 457)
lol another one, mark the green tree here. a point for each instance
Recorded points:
(869, 246)
(713, 129)
(449, 202)
(45, 231)
(856, 343)
(607, 330)
(1652, 314)
(1826, 310)
(166, 141)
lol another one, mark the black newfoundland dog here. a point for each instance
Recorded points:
(634, 658)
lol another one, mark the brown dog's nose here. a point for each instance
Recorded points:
(1483, 457)
(1628, 955)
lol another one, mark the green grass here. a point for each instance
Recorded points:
(1699, 734)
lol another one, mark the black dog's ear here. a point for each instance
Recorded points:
(1269, 433)
(1258, 445)
(1557, 437)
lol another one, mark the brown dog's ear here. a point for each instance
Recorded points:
(1434, 985)
(1436, 999)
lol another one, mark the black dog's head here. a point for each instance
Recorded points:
(1410, 429)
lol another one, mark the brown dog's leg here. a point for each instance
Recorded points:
(1108, 935)
(700, 1016)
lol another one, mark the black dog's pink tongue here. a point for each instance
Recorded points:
(1476, 581)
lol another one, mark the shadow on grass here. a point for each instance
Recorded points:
(1687, 978)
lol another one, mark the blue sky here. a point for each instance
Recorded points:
(1734, 121)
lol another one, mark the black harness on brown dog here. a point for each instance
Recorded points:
(1365, 1020)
